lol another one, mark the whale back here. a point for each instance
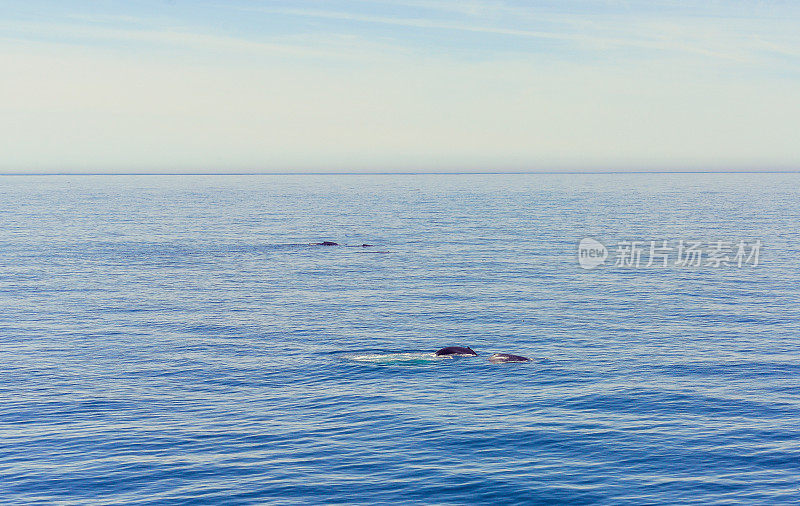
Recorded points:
(463, 351)
(501, 358)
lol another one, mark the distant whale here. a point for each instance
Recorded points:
(331, 243)
(502, 358)
(458, 351)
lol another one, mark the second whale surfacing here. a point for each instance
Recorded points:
(457, 351)
(502, 358)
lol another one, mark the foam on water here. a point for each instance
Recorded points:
(410, 358)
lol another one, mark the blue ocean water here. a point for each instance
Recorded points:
(175, 340)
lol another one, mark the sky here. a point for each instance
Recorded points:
(398, 85)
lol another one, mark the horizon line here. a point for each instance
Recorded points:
(400, 173)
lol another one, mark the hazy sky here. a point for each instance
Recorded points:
(398, 85)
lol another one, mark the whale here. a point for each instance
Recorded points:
(456, 351)
(502, 358)
(331, 243)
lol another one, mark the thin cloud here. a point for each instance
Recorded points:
(742, 43)
(78, 34)
(721, 46)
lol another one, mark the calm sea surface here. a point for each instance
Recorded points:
(175, 340)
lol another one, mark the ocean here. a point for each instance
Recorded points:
(179, 340)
